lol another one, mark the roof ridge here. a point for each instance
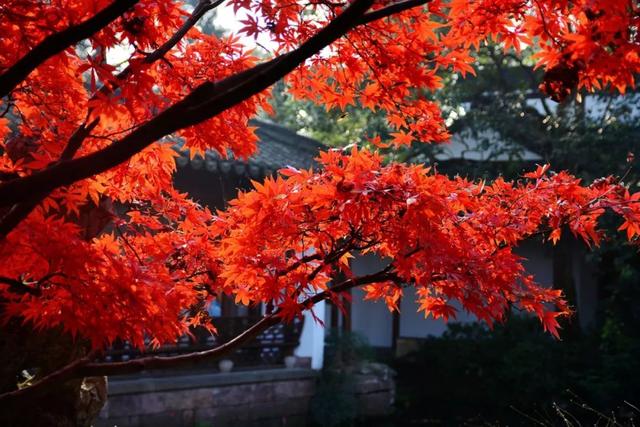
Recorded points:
(265, 125)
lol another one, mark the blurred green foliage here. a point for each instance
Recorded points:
(517, 371)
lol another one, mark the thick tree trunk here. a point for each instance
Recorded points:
(25, 352)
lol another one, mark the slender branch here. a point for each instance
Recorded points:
(7, 108)
(329, 258)
(75, 142)
(163, 362)
(380, 276)
(206, 101)
(85, 367)
(60, 376)
(58, 42)
(298, 263)
(203, 7)
(392, 9)
(199, 11)
(129, 245)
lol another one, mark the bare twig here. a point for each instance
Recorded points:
(129, 245)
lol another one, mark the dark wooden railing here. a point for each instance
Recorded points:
(267, 349)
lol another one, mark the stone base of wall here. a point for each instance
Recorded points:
(374, 388)
(375, 393)
(265, 398)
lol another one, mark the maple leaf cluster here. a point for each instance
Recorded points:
(282, 242)
(94, 238)
(451, 239)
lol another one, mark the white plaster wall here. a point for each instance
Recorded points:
(538, 260)
(413, 324)
(596, 106)
(370, 318)
(373, 319)
(312, 337)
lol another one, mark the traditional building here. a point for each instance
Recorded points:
(259, 389)
(267, 391)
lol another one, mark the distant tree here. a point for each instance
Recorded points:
(590, 134)
(335, 127)
(97, 245)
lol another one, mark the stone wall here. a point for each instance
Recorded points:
(273, 397)
(374, 388)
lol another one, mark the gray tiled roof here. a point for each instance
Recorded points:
(278, 147)
(484, 146)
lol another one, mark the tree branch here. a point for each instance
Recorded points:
(19, 287)
(60, 376)
(75, 142)
(58, 42)
(20, 211)
(206, 101)
(202, 7)
(392, 9)
(163, 362)
(85, 367)
(199, 11)
(380, 276)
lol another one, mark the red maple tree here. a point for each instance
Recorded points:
(96, 244)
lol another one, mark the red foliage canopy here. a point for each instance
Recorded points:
(96, 239)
